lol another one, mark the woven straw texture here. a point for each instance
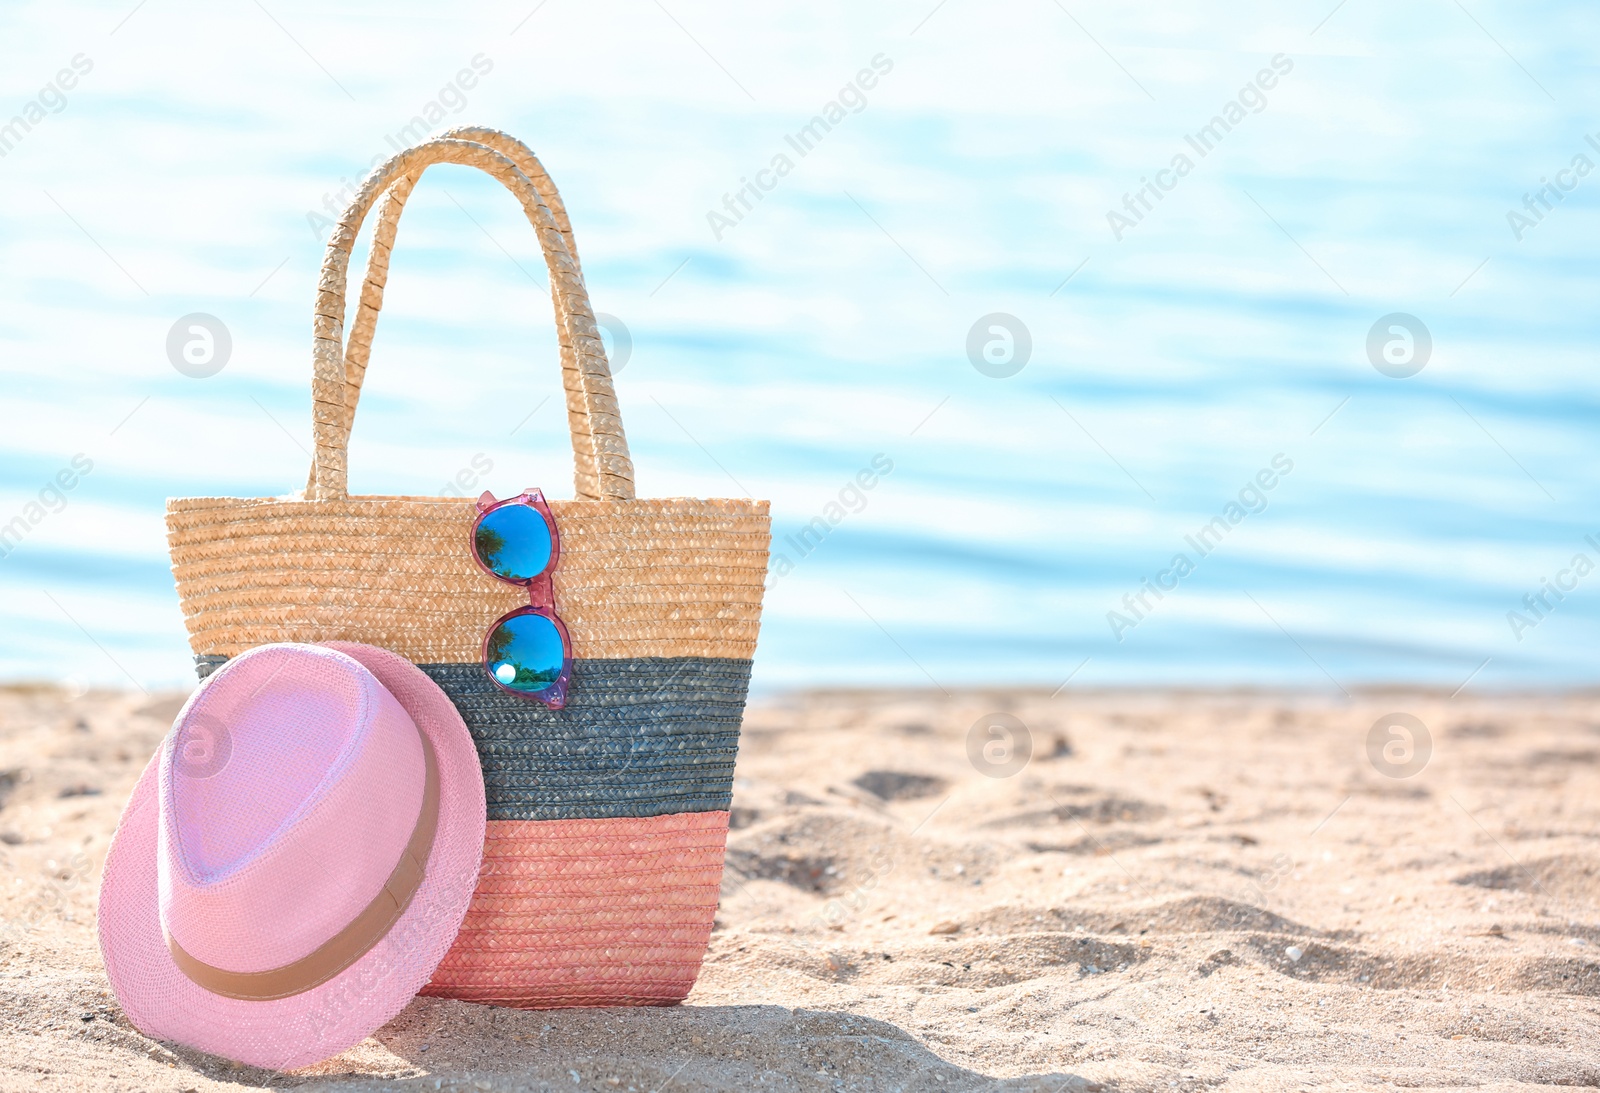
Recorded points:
(668, 578)
(390, 206)
(637, 738)
(662, 599)
(589, 912)
(644, 737)
(600, 450)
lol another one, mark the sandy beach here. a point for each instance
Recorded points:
(1175, 891)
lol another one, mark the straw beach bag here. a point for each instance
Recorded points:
(607, 818)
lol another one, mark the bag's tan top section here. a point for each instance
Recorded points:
(667, 578)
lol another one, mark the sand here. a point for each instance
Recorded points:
(1176, 892)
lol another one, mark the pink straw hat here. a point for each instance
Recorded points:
(297, 857)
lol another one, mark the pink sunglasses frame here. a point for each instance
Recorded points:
(541, 596)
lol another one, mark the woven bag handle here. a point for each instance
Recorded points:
(358, 347)
(600, 448)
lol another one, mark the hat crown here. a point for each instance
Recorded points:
(289, 788)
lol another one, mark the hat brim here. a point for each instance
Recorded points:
(306, 1028)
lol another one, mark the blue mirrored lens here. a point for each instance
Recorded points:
(514, 542)
(525, 653)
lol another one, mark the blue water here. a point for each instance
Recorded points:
(1011, 539)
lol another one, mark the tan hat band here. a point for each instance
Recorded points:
(351, 943)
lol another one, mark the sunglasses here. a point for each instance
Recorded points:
(526, 652)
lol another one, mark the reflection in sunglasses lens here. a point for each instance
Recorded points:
(525, 653)
(514, 542)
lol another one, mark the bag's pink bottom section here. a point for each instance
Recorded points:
(588, 912)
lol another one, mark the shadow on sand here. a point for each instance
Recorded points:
(443, 1045)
